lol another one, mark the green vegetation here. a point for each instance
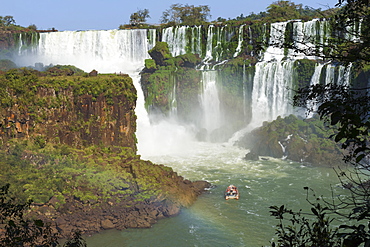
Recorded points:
(25, 83)
(163, 73)
(186, 14)
(304, 69)
(305, 140)
(90, 174)
(7, 64)
(17, 230)
(8, 23)
(138, 20)
(139, 17)
(345, 110)
(281, 10)
(40, 166)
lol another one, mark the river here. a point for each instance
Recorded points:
(213, 221)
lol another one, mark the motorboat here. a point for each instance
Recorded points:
(232, 192)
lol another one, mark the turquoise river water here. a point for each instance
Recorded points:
(213, 221)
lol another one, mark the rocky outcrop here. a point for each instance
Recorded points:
(92, 179)
(294, 139)
(66, 116)
(95, 217)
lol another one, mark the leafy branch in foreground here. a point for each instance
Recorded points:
(17, 230)
(305, 229)
(345, 108)
(317, 228)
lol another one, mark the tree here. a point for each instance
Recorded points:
(17, 230)
(20, 231)
(283, 10)
(344, 108)
(32, 27)
(7, 21)
(139, 17)
(186, 14)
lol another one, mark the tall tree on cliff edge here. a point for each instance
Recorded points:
(345, 108)
(139, 17)
(186, 14)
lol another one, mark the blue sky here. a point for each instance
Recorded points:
(109, 14)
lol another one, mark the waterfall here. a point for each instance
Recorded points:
(266, 93)
(273, 51)
(210, 102)
(270, 94)
(304, 36)
(209, 46)
(240, 41)
(106, 51)
(173, 111)
(176, 39)
(196, 40)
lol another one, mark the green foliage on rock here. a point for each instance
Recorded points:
(25, 83)
(150, 64)
(6, 64)
(93, 174)
(160, 52)
(19, 230)
(304, 69)
(166, 78)
(304, 140)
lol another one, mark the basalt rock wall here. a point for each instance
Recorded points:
(68, 116)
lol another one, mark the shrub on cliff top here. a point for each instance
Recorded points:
(160, 52)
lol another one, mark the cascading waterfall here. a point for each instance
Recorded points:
(106, 51)
(240, 40)
(196, 41)
(125, 50)
(209, 46)
(270, 96)
(210, 101)
(173, 111)
(273, 51)
(176, 39)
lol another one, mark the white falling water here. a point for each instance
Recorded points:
(209, 46)
(240, 41)
(210, 101)
(272, 79)
(196, 40)
(106, 51)
(315, 79)
(274, 50)
(176, 39)
(306, 36)
(330, 73)
(270, 94)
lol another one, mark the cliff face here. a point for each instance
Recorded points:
(64, 115)
(68, 143)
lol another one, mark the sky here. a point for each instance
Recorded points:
(109, 14)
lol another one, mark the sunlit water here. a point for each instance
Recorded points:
(212, 221)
